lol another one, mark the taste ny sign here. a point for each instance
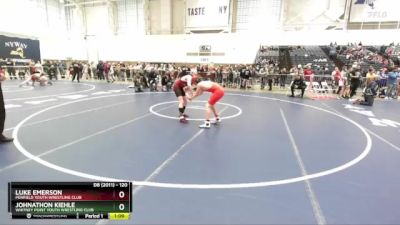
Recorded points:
(205, 14)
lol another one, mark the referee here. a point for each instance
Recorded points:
(3, 139)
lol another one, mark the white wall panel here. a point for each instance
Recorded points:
(29, 17)
(155, 16)
(258, 15)
(178, 16)
(312, 14)
(130, 17)
(97, 20)
(174, 48)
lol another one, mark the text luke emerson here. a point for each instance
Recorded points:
(38, 192)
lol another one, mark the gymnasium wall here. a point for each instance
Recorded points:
(94, 32)
(237, 48)
(367, 37)
(231, 48)
(313, 14)
(45, 22)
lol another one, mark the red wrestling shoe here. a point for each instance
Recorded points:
(182, 119)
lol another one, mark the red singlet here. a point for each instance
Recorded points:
(217, 93)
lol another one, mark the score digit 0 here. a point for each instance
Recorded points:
(121, 206)
(121, 194)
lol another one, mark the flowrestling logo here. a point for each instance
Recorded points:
(370, 3)
(375, 11)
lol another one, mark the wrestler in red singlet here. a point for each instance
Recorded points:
(180, 87)
(217, 92)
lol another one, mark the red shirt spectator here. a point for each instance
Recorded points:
(336, 74)
(308, 73)
(106, 67)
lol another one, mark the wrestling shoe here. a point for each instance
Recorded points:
(4, 139)
(216, 121)
(206, 124)
(182, 119)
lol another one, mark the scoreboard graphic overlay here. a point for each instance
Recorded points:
(70, 200)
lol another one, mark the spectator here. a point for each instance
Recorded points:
(100, 70)
(75, 66)
(309, 75)
(153, 79)
(85, 71)
(300, 70)
(245, 76)
(293, 71)
(369, 94)
(332, 53)
(298, 83)
(346, 82)
(111, 73)
(393, 75)
(106, 71)
(46, 67)
(262, 73)
(93, 70)
(371, 75)
(336, 77)
(129, 71)
(38, 67)
(3, 139)
(354, 81)
(166, 81)
(122, 74)
(282, 78)
(11, 69)
(270, 73)
(52, 70)
(80, 70)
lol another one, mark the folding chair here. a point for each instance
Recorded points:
(325, 86)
